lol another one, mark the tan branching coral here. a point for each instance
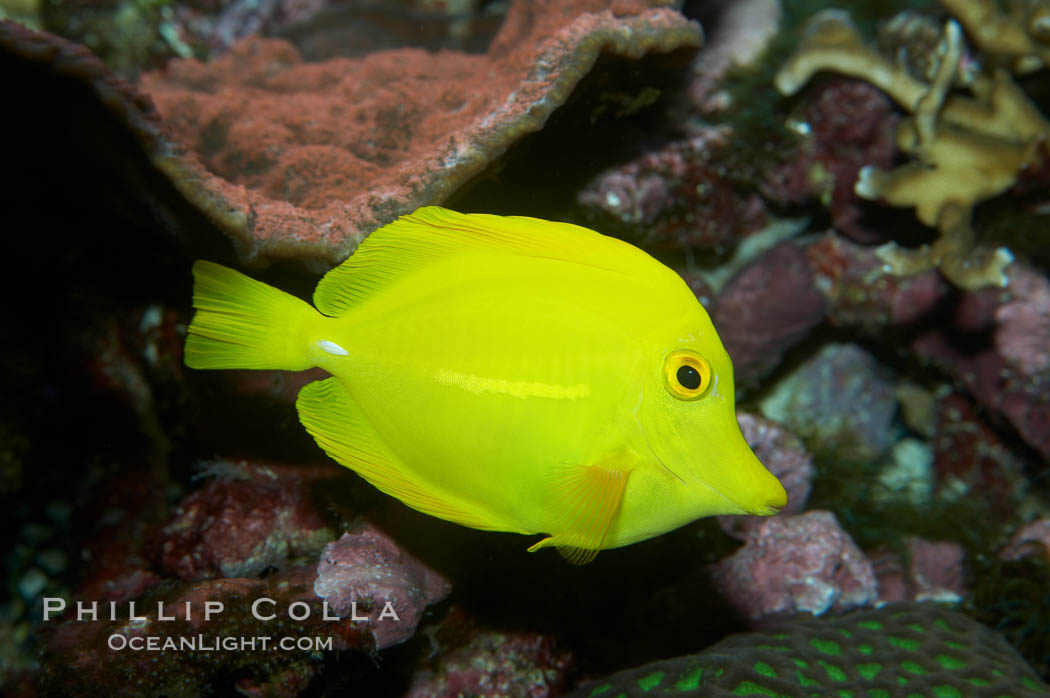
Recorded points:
(967, 148)
(1018, 37)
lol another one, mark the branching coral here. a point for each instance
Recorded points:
(1019, 37)
(966, 149)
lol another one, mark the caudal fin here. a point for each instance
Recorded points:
(244, 323)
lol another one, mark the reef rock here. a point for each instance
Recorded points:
(928, 571)
(818, 402)
(250, 517)
(796, 563)
(471, 660)
(366, 568)
(768, 307)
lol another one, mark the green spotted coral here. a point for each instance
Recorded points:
(913, 649)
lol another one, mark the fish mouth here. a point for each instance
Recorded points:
(774, 504)
(766, 510)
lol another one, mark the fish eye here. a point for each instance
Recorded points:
(687, 375)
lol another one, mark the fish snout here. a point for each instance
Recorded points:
(766, 495)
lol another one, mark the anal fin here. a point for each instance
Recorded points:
(590, 496)
(345, 433)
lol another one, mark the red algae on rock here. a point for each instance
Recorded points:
(1032, 538)
(843, 126)
(767, 308)
(796, 563)
(250, 517)
(473, 660)
(1007, 378)
(929, 571)
(971, 460)
(303, 160)
(339, 600)
(365, 570)
(861, 294)
(680, 196)
(99, 657)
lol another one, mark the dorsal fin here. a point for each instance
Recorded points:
(432, 232)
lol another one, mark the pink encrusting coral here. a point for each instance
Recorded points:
(301, 160)
(1022, 333)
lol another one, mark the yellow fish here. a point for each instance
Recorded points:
(505, 373)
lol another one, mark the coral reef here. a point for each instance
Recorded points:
(279, 151)
(966, 149)
(796, 563)
(924, 649)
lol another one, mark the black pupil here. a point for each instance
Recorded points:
(689, 377)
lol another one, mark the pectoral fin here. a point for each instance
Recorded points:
(590, 496)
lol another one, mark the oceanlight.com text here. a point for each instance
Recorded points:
(212, 643)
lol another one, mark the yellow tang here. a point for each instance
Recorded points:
(505, 373)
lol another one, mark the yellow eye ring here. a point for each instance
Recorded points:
(687, 375)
